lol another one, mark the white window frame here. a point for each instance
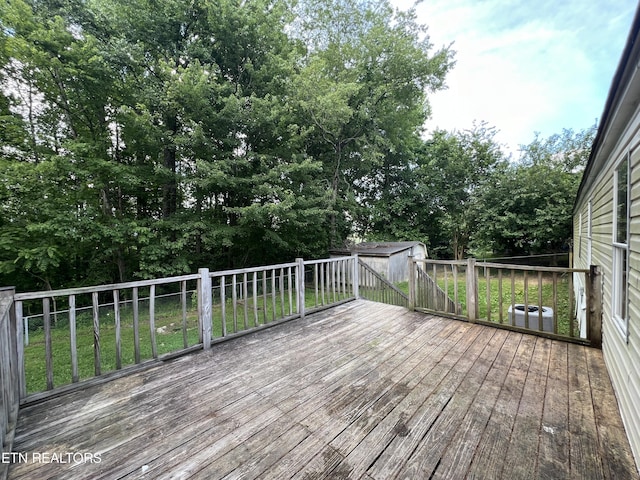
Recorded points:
(580, 256)
(589, 233)
(620, 267)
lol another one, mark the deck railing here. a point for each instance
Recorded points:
(432, 296)
(375, 287)
(534, 299)
(87, 334)
(94, 333)
(9, 380)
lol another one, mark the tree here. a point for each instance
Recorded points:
(363, 87)
(159, 139)
(152, 138)
(526, 208)
(435, 197)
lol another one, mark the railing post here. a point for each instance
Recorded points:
(412, 283)
(300, 286)
(356, 276)
(205, 302)
(472, 289)
(594, 306)
(9, 373)
(20, 344)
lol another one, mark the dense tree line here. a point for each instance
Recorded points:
(149, 138)
(146, 138)
(464, 196)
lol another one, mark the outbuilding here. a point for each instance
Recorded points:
(389, 259)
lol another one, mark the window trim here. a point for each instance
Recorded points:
(580, 254)
(589, 231)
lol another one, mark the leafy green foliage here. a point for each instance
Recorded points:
(148, 139)
(527, 206)
(434, 199)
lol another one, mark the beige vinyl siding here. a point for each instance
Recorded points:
(622, 359)
(630, 406)
(580, 260)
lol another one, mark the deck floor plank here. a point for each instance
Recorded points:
(426, 458)
(615, 461)
(457, 459)
(586, 462)
(362, 390)
(488, 460)
(411, 419)
(553, 458)
(521, 456)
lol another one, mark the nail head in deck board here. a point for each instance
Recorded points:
(190, 409)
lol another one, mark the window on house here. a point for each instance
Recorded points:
(620, 246)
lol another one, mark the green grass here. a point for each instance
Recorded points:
(168, 317)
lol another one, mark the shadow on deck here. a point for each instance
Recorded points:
(362, 391)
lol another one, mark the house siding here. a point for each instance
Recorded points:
(621, 358)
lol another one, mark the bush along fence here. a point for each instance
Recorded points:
(59, 339)
(539, 300)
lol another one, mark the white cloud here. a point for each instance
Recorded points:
(524, 66)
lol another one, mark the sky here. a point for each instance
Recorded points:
(525, 66)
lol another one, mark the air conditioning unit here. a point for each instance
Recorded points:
(517, 317)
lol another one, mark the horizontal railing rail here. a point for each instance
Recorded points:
(529, 298)
(75, 335)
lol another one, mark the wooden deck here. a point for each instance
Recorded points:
(362, 391)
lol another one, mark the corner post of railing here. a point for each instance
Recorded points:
(205, 304)
(472, 290)
(594, 310)
(356, 276)
(300, 286)
(412, 282)
(10, 372)
(18, 328)
(16, 324)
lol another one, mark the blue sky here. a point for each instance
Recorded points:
(525, 66)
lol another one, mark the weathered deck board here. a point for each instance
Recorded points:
(362, 391)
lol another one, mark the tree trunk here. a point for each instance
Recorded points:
(333, 221)
(170, 188)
